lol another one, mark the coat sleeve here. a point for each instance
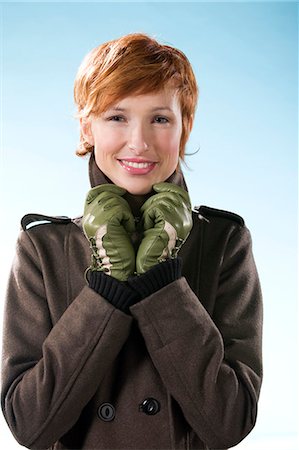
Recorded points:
(210, 365)
(49, 373)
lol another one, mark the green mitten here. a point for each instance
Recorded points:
(167, 221)
(107, 224)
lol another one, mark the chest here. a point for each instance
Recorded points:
(201, 256)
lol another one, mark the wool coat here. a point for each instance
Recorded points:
(182, 371)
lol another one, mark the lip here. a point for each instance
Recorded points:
(137, 166)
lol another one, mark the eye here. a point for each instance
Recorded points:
(161, 119)
(116, 118)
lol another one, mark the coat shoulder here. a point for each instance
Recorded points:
(207, 213)
(32, 220)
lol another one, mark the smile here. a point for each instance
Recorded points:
(137, 168)
(137, 165)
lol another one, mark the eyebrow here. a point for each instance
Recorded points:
(164, 108)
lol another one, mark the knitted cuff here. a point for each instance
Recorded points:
(116, 292)
(157, 277)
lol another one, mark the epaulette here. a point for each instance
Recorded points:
(31, 220)
(205, 211)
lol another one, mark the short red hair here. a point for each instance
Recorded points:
(135, 63)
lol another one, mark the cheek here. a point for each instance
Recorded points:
(103, 155)
(108, 137)
(170, 144)
(104, 147)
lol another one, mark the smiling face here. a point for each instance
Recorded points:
(137, 140)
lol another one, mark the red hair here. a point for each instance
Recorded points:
(133, 64)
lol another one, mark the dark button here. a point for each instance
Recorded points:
(150, 406)
(106, 412)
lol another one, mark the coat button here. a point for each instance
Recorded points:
(150, 406)
(106, 412)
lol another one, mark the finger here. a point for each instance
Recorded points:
(109, 188)
(128, 221)
(172, 188)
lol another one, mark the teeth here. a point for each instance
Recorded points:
(136, 165)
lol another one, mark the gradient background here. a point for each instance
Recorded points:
(245, 58)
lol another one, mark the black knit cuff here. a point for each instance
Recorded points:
(116, 292)
(157, 277)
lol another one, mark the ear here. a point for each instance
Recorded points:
(85, 127)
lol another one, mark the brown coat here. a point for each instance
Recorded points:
(194, 346)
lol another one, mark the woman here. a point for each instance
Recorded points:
(137, 325)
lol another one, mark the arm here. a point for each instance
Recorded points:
(48, 372)
(211, 366)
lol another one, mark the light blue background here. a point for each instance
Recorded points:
(245, 56)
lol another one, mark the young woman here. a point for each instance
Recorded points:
(138, 325)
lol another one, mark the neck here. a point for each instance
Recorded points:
(136, 201)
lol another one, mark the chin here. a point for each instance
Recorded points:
(135, 190)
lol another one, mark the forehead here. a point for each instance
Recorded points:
(165, 98)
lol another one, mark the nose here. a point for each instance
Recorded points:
(138, 142)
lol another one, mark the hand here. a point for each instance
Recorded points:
(107, 224)
(167, 221)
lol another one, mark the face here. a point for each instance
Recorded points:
(137, 140)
